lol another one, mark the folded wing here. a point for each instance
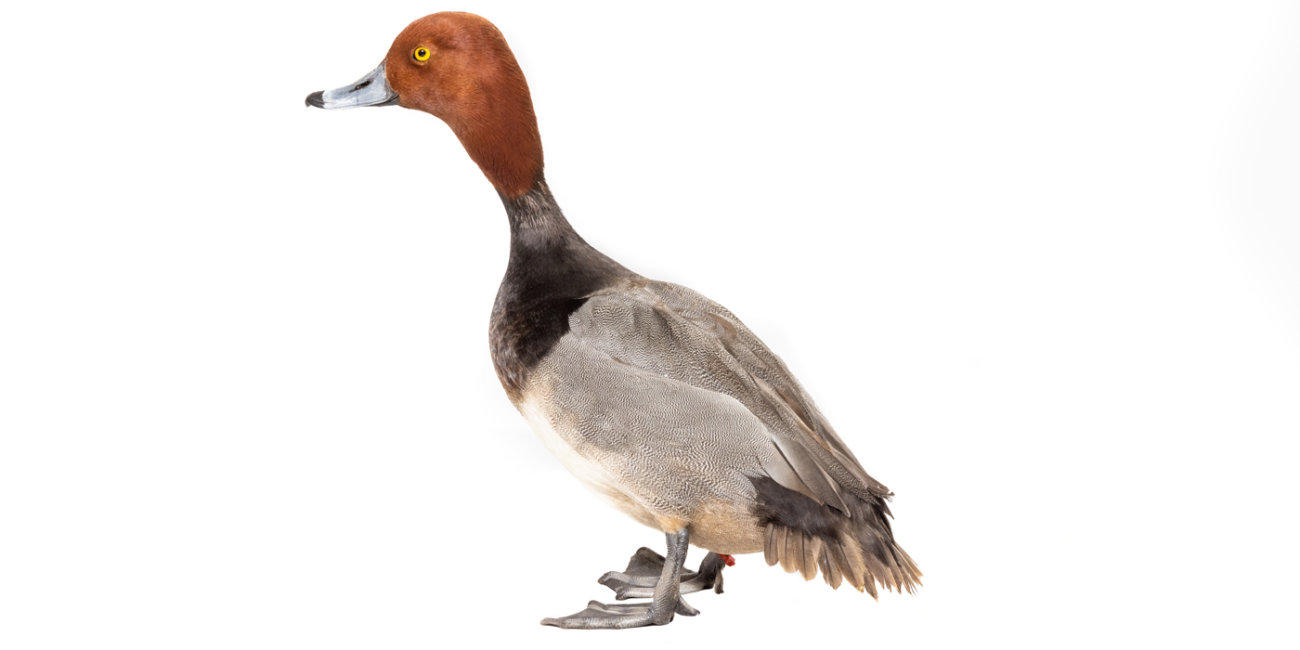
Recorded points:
(676, 333)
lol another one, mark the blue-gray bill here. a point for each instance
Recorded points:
(370, 90)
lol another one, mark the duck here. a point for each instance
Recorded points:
(657, 399)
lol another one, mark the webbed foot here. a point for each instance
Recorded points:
(663, 589)
(601, 616)
(638, 580)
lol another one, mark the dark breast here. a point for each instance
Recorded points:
(522, 334)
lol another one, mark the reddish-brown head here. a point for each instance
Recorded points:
(458, 67)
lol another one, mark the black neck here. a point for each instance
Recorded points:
(535, 210)
(550, 274)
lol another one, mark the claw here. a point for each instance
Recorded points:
(685, 609)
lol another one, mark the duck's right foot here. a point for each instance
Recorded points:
(666, 598)
(641, 576)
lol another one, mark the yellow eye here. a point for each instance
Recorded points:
(421, 54)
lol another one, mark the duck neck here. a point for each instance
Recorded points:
(536, 219)
(548, 259)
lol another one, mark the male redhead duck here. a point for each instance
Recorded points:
(658, 399)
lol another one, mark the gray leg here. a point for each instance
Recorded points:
(666, 599)
(638, 580)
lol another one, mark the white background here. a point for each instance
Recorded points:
(1038, 265)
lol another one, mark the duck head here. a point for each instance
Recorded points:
(457, 67)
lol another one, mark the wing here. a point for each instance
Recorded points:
(677, 333)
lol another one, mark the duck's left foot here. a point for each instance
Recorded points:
(638, 580)
(667, 599)
(600, 616)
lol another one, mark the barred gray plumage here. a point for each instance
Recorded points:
(662, 402)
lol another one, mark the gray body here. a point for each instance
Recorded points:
(641, 401)
(665, 405)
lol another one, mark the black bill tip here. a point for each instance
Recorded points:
(316, 99)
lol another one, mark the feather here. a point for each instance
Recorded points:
(783, 547)
(816, 538)
(812, 548)
(841, 559)
(769, 546)
(806, 467)
(830, 573)
(861, 577)
(793, 550)
(779, 542)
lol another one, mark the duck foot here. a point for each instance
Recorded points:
(638, 580)
(600, 615)
(666, 598)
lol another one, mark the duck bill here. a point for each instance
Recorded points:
(370, 90)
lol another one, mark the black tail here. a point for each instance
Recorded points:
(857, 546)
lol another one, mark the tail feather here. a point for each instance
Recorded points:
(783, 550)
(812, 552)
(841, 561)
(857, 547)
(830, 570)
(793, 551)
(770, 554)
